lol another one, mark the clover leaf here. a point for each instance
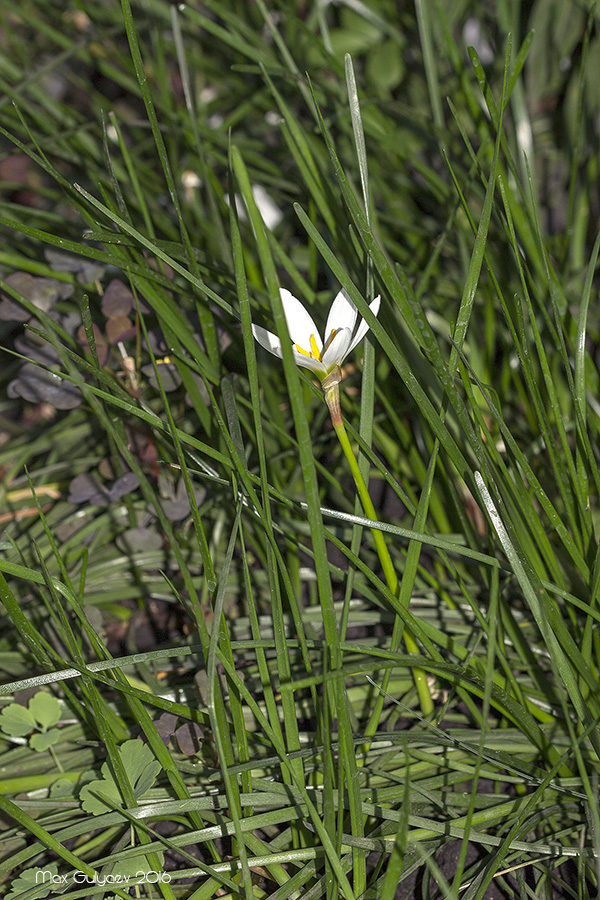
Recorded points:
(141, 768)
(29, 879)
(40, 715)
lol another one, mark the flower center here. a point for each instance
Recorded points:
(314, 352)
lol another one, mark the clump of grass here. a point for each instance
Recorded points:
(206, 687)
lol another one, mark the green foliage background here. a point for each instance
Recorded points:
(443, 154)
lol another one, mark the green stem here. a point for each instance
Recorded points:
(55, 759)
(331, 390)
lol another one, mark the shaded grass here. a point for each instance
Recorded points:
(436, 177)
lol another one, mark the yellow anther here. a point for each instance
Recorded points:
(331, 337)
(315, 352)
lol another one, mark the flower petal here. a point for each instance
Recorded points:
(364, 325)
(309, 362)
(267, 339)
(338, 348)
(299, 322)
(343, 314)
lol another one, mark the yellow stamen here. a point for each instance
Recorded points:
(331, 337)
(314, 350)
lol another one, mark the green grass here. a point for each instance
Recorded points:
(237, 655)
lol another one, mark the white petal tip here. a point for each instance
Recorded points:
(267, 339)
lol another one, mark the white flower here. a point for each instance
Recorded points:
(341, 333)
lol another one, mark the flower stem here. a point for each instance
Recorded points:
(331, 390)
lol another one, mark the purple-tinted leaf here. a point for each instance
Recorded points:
(106, 470)
(124, 485)
(117, 299)
(42, 292)
(169, 376)
(36, 348)
(102, 349)
(10, 311)
(156, 343)
(176, 505)
(119, 328)
(201, 682)
(175, 510)
(198, 381)
(36, 385)
(139, 540)
(165, 725)
(68, 321)
(90, 272)
(223, 337)
(85, 487)
(188, 738)
(63, 262)
(87, 270)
